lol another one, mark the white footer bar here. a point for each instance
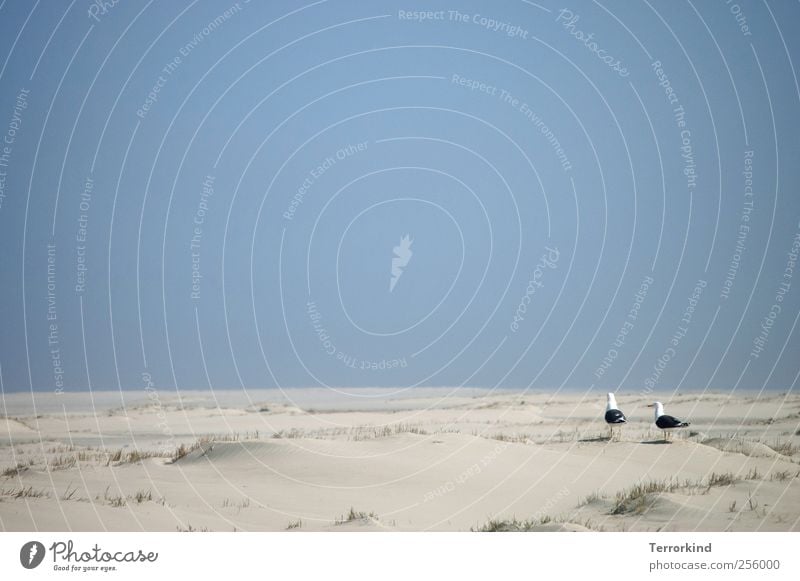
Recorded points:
(407, 556)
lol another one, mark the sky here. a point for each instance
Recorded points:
(591, 196)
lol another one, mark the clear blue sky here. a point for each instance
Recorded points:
(207, 194)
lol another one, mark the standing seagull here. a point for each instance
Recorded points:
(665, 422)
(614, 416)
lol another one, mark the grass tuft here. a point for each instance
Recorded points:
(784, 447)
(190, 529)
(505, 526)
(781, 475)
(354, 515)
(14, 470)
(724, 479)
(638, 498)
(24, 492)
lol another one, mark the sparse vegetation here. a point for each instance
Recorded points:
(24, 492)
(595, 496)
(781, 475)
(184, 450)
(785, 447)
(753, 474)
(724, 479)
(354, 515)
(206, 444)
(668, 504)
(728, 478)
(505, 526)
(244, 503)
(521, 438)
(290, 434)
(360, 433)
(120, 456)
(513, 525)
(752, 502)
(142, 496)
(180, 452)
(69, 493)
(230, 437)
(116, 501)
(61, 462)
(354, 434)
(639, 497)
(190, 529)
(14, 470)
(120, 500)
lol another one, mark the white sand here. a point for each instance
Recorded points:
(433, 459)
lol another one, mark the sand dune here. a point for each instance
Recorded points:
(438, 460)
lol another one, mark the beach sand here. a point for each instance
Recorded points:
(413, 460)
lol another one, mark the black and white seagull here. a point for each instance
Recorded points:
(614, 417)
(665, 422)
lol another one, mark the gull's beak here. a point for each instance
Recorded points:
(651, 405)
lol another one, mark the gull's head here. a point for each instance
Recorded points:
(658, 409)
(611, 402)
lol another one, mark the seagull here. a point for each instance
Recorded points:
(614, 416)
(666, 422)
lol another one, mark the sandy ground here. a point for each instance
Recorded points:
(432, 459)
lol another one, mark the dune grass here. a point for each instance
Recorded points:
(24, 492)
(14, 470)
(639, 497)
(354, 515)
(513, 525)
